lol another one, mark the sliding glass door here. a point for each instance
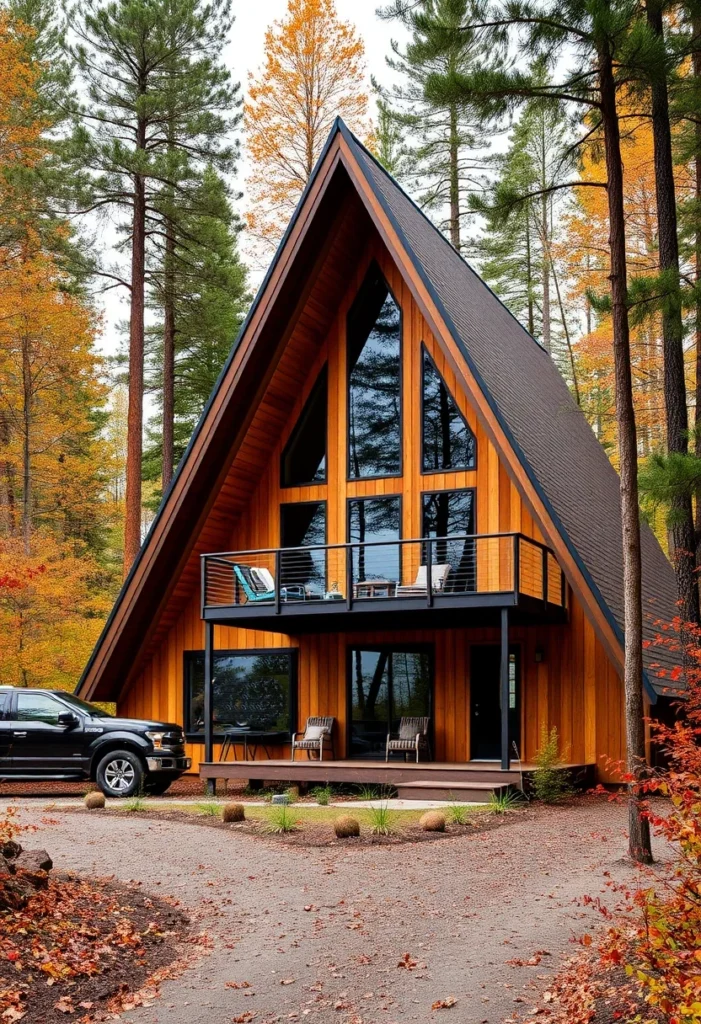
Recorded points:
(385, 684)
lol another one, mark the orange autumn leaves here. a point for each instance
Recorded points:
(51, 394)
(313, 71)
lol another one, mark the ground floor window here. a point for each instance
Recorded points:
(385, 684)
(251, 690)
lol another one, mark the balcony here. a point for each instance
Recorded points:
(385, 584)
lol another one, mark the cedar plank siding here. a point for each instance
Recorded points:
(574, 688)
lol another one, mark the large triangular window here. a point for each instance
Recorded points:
(446, 439)
(374, 336)
(304, 457)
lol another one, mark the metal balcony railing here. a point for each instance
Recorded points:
(430, 570)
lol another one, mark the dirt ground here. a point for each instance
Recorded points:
(367, 935)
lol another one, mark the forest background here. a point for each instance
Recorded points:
(140, 200)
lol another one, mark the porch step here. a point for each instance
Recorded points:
(467, 792)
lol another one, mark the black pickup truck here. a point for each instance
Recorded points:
(49, 734)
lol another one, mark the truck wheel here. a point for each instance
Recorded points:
(120, 773)
(157, 787)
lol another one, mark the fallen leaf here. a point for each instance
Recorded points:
(444, 1004)
(287, 981)
(238, 984)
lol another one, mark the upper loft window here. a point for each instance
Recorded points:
(374, 335)
(447, 441)
(303, 460)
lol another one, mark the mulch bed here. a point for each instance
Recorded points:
(320, 833)
(83, 949)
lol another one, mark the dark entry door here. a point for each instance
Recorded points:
(485, 702)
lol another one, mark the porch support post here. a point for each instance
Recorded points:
(504, 686)
(208, 701)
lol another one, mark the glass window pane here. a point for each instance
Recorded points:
(374, 381)
(447, 441)
(250, 691)
(38, 707)
(369, 702)
(375, 519)
(304, 458)
(411, 685)
(303, 525)
(446, 513)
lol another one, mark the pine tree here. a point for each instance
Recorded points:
(209, 303)
(588, 37)
(446, 158)
(158, 99)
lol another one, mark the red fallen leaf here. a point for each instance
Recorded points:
(407, 962)
(243, 1018)
(65, 1005)
(444, 1004)
(12, 955)
(238, 984)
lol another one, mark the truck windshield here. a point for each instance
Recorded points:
(82, 705)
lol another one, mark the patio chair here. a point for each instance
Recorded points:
(412, 736)
(317, 734)
(258, 585)
(439, 576)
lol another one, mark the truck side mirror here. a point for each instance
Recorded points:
(68, 719)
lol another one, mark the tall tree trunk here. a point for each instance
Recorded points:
(529, 272)
(454, 179)
(677, 423)
(135, 410)
(696, 28)
(7, 490)
(26, 444)
(168, 357)
(639, 828)
(545, 273)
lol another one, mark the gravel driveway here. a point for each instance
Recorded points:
(318, 933)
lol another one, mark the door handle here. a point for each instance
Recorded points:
(19, 735)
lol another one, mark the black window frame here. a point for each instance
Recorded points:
(474, 533)
(378, 497)
(374, 267)
(390, 648)
(321, 380)
(440, 471)
(193, 736)
(297, 504)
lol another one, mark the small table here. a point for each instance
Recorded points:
(375, 588)
(249, 737)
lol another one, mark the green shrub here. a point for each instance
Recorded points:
(281, 820)
(502, 803)
(381, 820)
(323, 795)
(551, 782)
(209, 808)
(457, 814)
(135, 803)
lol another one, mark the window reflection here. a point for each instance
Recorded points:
(375, 519)
(249, 691)
(386, 685)
(304, 458)
(303, 524)
(374, 381)
(447, 441)
(447, 513)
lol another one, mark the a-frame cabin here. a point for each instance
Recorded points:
(391, 507)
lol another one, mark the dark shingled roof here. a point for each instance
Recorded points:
(553, 440)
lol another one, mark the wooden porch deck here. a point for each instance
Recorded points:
(473, 780)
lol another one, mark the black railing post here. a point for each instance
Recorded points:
(517, 566)
(504, 685)
(278, 587)
(429, 572)
(209, 699)
(203, 584)
(349, 577)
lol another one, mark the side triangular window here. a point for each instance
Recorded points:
(446, 439)
(303, 460)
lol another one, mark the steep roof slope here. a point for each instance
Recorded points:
(550, 434)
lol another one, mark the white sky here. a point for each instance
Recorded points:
(245, 53)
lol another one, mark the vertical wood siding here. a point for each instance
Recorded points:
(574, 687)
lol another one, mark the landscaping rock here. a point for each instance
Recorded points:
(94, 801)
(345, 827)
(280, 798)
(233, 812)
(10, 850)
(432, 821)
(33, 861)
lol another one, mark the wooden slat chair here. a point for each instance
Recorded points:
(439, 575)
(412, 736)
(317, 734)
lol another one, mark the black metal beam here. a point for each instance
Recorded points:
(504, 686)
(208, 698)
